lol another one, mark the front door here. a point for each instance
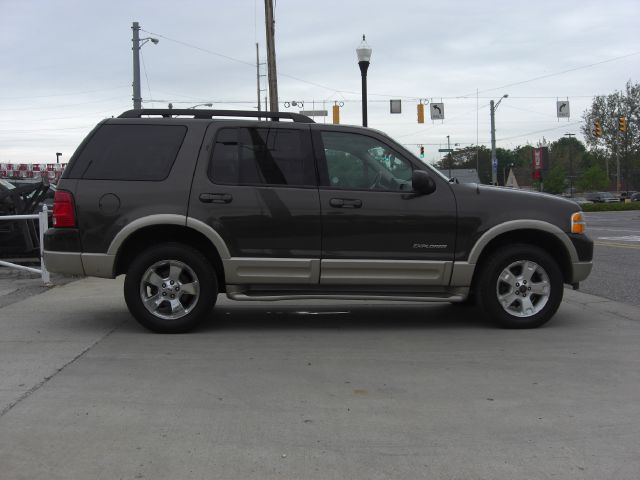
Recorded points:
(257, 188)
(375, 229)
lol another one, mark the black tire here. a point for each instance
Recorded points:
(191, 271)
(490, 287)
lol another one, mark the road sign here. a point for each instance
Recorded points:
(494, 162)
(314, 113)
(395, 106)
(562, 107)
(437, 111)
(446, 150)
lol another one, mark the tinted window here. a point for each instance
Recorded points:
(131, 152)
(357, 161)
(262, 156)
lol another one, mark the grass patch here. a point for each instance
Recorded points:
(610, 207)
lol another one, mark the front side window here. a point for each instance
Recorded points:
(262, 156)
(360, 162)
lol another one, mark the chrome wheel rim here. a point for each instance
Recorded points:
(169, 289)
(523, 288)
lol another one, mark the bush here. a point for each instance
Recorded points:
(610, 207)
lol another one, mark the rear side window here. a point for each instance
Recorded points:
(262, 156)
(131, 152)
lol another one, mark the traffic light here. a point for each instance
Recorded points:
(421, 113)
(597, 129)
(622, 123)
(336, 114)
(421, 151)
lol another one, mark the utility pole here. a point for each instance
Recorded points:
(137, 45)
(494, 159)
(271, 56)
(258, 73)
(137, 96)
(570, 135)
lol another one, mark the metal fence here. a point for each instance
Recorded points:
(43, 223)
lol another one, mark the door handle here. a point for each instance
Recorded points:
(345, 203)
(216, 197)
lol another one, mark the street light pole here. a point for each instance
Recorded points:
(494, 159)
(450, 155)
(364, 56)
(137, 45)
(570, 135)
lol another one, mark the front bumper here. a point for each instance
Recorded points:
(581, 271)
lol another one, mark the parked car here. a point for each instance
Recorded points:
(627, 195)
(581, 200)
(189, 204)
(635, 197)
(601, 197)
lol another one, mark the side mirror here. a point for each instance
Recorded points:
(422, 183)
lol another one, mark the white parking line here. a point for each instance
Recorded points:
(626, 238)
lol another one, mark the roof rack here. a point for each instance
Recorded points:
(209, 114)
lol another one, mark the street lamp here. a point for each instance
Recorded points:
(201, 105)
(494, 159)
(137, 45)
(364, 56)
(570, 135)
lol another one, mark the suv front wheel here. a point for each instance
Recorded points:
(170, 288)
(520, 286)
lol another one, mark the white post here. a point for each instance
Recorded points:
(43, 220)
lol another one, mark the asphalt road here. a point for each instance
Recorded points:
(616, 266)
(316, 390)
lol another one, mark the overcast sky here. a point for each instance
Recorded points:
(67, 64)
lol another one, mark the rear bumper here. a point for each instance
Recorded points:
(68, 263)
(76, 263)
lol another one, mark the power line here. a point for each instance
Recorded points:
(565, 125)
(64, 94)
(556, 73)
(144, 67)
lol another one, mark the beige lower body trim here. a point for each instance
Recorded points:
(98, 264)
(462, 274)
(384, 272)
(271, 270)
(68, 263)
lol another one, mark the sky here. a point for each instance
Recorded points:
(67, 64)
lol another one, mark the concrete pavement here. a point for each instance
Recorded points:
(316, 390)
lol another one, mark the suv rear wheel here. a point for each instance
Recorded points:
(170, 288)
(520, 286)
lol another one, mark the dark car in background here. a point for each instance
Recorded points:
(601, 197)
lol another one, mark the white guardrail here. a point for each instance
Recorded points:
(43, 222)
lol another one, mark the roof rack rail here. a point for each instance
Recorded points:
(209, 114)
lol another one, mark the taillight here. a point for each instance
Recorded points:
(64, 211)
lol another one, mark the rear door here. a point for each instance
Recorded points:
(255, 185)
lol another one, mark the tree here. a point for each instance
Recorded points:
(555, 180)
(615, 145)
(594, 178)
